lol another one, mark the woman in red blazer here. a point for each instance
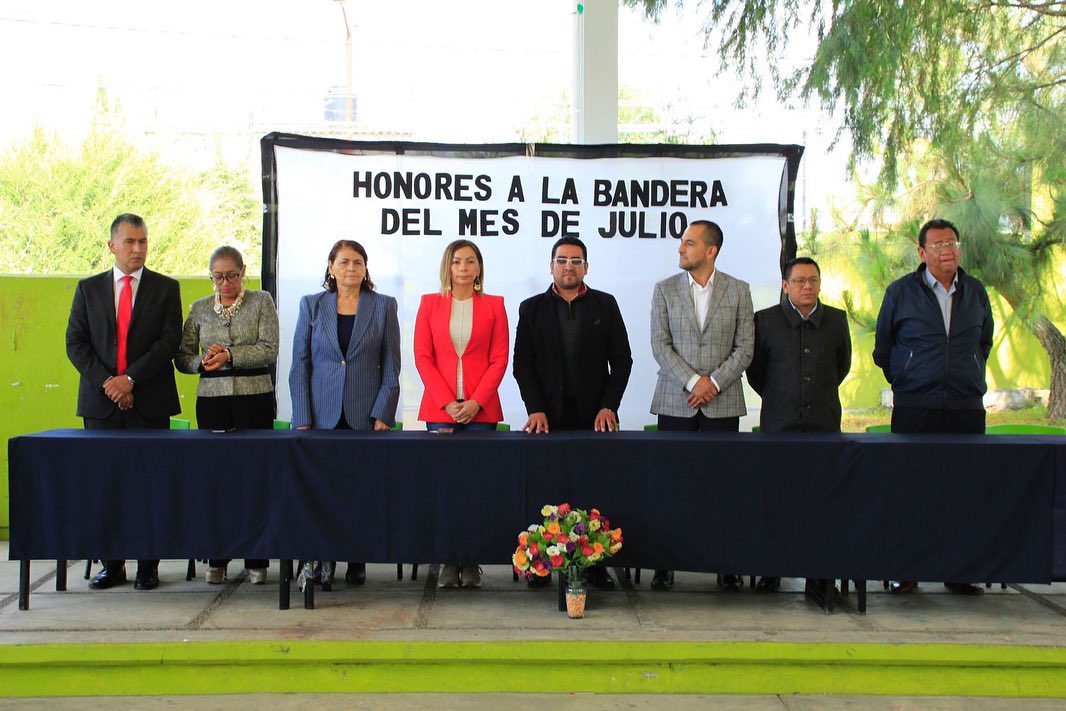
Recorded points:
(461, 349)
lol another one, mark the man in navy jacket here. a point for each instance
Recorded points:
(934, 335)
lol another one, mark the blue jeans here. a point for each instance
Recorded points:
(456, 427)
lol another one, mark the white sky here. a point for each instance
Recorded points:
(464, 71)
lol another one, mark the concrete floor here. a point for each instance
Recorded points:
(387, 609)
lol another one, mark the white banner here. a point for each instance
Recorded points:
(405, 209)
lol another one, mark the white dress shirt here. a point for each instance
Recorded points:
(701, 298)
(117, 275)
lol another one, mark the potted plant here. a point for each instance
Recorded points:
(568, 541)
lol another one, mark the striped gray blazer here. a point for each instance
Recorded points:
(363, 383)
(251, 335)
(722, 349)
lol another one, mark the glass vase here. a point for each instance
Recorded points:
(576, 592)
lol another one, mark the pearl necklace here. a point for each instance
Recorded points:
(228, 311)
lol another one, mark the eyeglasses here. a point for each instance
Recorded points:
(232, 278)
(801, 281)
(937, 246)
(572, 261)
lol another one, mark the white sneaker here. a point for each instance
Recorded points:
(471, 575)
(215, 576)
(257, 576)
(449, 576)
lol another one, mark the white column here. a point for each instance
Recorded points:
(596, 71)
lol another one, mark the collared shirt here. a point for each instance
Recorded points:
(701, 298)
(805, 318)
(116, 275)
(943, 296)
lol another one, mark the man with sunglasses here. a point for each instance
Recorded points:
(802, 354)
(571, 356)
(934, 335)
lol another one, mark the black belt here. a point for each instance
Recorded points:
(235, 373)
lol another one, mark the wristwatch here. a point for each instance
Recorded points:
(132, 381)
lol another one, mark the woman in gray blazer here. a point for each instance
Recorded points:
(346, 360)
(231, 340)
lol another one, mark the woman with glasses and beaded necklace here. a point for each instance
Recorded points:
(230, 340)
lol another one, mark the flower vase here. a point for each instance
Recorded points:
(576, 592)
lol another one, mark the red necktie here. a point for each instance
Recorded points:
(125, 309)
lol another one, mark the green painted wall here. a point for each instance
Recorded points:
(39, 386)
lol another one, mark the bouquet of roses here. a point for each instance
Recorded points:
(569, 539)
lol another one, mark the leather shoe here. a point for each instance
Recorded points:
(663, 580)
(146, 580)
(108, 579)
(356, 573)
(964, 588)
(536, 581)
(899, 587)
(600, 578)
(730, 582)
(767, 584)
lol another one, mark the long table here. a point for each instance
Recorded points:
(858, 507)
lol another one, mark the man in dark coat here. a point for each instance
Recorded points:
(934, 336)
(571, 356)
(802, 354)
(123, 332)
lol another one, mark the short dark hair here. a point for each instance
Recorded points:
(329, 282)
(224, 252)
(935, 225)
(574, 241)
(786, 273)
(128, 218)
(713, 232)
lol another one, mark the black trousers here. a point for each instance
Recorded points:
(919, 420)
(699, 423)
(128, 420)
(236, 412)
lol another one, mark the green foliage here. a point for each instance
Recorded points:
(57, 202)
(960, 103)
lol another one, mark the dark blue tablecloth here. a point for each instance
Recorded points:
(933, 507)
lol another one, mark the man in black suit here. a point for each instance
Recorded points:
(571, 356)
(802, 355)
(123, 332)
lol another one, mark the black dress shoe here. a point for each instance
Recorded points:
(108, 579)
(964, 588)
(902, 587)
(356, 573)
(536, 581)
(600, 578)
(767, 584)
(663, 580)
(730, 582)
(146, 580)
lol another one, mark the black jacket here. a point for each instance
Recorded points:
(604, 357)
(926, 366)
(152, 342)
(798, 366)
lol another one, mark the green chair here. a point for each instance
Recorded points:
(282, 425)
(651, 428)
(879, 428)
(756, 428)
(1025, 430)
(503, 427)
(398, 427)
(176, 423)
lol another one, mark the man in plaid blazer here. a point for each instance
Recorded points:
(702, 337)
